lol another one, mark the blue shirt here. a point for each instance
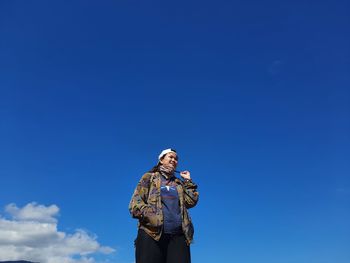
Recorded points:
(170, 206)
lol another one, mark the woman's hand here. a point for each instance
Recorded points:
(186, 175)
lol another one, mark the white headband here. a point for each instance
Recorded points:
(164, 152)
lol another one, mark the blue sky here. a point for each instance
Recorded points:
(254, 95)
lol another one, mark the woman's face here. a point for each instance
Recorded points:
(170, 159)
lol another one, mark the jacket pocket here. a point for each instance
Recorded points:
(152, 220)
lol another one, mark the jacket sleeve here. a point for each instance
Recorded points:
(191, 194)
(138, 205)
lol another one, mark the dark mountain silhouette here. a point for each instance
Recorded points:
(18, 261)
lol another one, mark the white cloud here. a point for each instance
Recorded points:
(33, 211)
(30, 233)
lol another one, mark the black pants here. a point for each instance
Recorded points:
(169, 249)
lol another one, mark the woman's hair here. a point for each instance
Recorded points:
(155, 168)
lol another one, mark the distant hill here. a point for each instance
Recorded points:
(17, 261)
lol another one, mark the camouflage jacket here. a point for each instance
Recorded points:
(146, 205)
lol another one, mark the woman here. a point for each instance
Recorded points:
(160, 202)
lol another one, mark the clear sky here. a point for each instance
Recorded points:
(254, 95)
